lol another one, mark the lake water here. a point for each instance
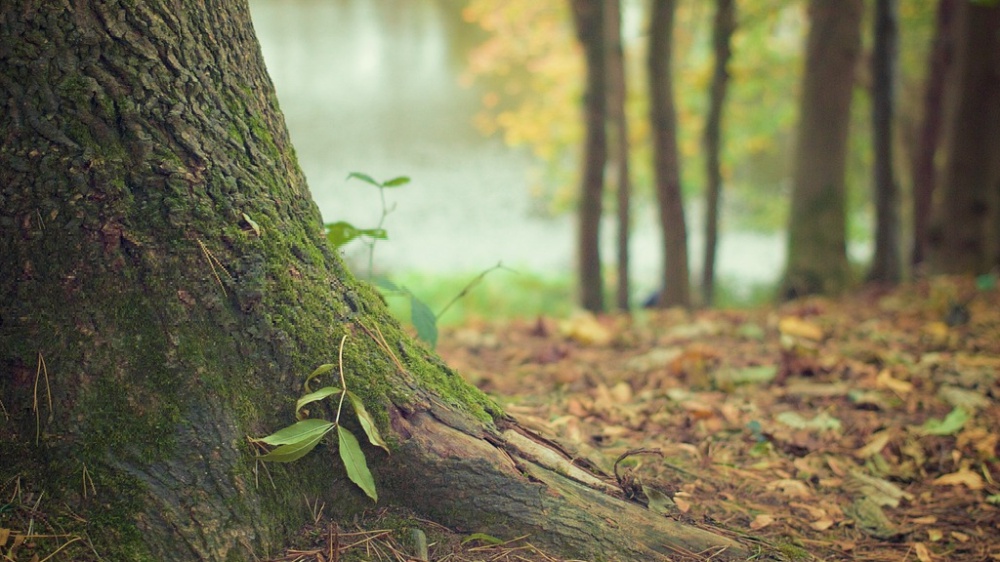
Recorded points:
(372, 86)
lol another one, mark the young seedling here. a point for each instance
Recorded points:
(295, 441)
(340, 233)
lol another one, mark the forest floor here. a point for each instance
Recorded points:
(858, 428)
(865, 427)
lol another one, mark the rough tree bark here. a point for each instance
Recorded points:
(965, 231)
(619, 146)
(817, 247)
(588, 16)
(666, 164)
(886, 264)
(925, 169)
(165, 285)
(722, 30)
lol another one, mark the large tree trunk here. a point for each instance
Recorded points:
(619, 152)
(589, 18)
(965, 232)
(886, 264)
(722, 31)
(817, 247)
(164, 287)
(666, 164)
(924, 165)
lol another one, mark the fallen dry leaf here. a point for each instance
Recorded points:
(761, 521)
(683, 505)
(790, 488)
(583, 327)
(963, 477)
(799, 328)
(874, 445)
(886, 380)
(923, 554)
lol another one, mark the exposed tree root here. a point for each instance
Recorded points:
(497, 484)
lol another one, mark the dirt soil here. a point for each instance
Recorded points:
(858, 428)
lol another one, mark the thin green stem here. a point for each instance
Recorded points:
(469, 286)
(381, 221)
(343, 383)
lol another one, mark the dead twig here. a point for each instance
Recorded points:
(212, 261)
(40, 372)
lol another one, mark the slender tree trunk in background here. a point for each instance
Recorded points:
(886, 264)
(722, 32)
(618, 154)
(817, 247)
(925, 167)
(165, 285)
(666, 164)
(588, 16)
(964, 233)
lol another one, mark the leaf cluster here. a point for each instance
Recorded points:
(341, 232)
(295, 441)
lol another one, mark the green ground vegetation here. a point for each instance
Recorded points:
(508, 294)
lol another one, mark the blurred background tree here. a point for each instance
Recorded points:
(723, 27)
(817, 242)
(965, 232)
(620, 174)
(524, 68)
(666, 162)
(924, 137)
(591, 29)
(886, 266)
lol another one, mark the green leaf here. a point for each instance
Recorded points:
(986, 282)
(315, 396)
(364, 177)
(424, 321)
(950, 425)
(659, 502)
(294, 451)
(822, 422)
(340, 233)
(367, 422)
(297, 433)
(396, 182)
(746, 375)
(377, 233)
(761, 448)
(321, 370)
(253, 225)
(482, 537)
(354, 462)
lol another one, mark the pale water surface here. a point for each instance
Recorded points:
(372, 86)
